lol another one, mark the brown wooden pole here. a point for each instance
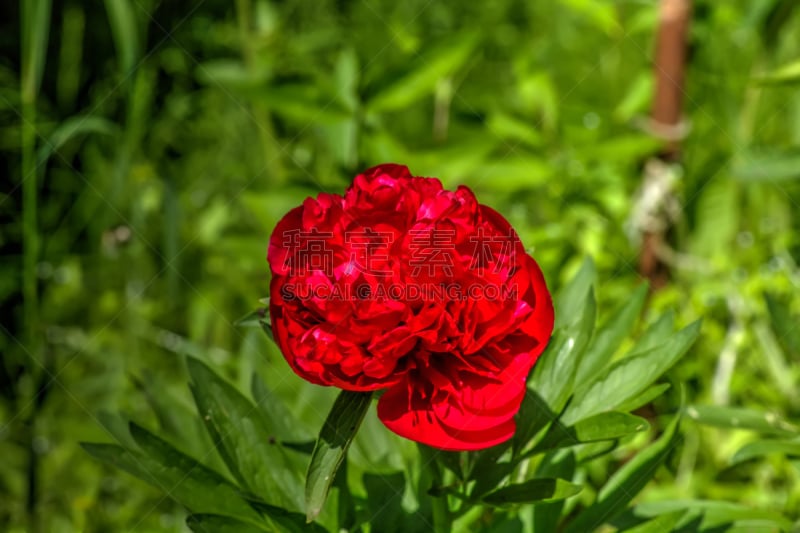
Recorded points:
(666, 117)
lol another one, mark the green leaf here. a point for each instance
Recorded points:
(185, 480)
(490, 468)
(123, 29)
(572, 297)
(767, 166)
(740, 418)
(560, 464)
(303, 103)
(660, 524)
(600, 427)
(211, 523)
(784, 324)
(36, 17)
(717, 514)
(245, 442)
(786, 75)
(554, 374)
(534, 490)
(277, 416)
(71, 128)
(626, 482)
(611, 335)
(760, 448)
(253, 319)
(384, 501)
(630, 376)
(288, 521)
(533, 416)
(117, 427)
(656, 334)
(440, 62)
(335, 437)
(644, 398)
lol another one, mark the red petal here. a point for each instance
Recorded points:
(422, 425)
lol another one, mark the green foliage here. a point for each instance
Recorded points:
(151, 148)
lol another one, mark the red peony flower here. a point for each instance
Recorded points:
(405, 286)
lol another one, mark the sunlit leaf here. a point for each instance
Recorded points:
(630, 376)
(741, 418)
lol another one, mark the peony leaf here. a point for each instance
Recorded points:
(740, 418)
(644, 398)
(626, 482)
(630, 376)
(245, 442)
(572, 297)
(554, 374)
(384, 501)
(534, 490)
(760, 448)
(600, 427)
(284, 520)
(610, 336)
(276, 414)
(560, 464)
(337, 433)
(187, 481)
(533, 416)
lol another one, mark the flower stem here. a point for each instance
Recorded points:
(442, 517)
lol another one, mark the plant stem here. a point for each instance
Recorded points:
(442, 518)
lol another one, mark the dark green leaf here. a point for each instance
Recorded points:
(384, 501)
(71, 128)
(287, 521)
(253, 319)
(531, 491)
(210, 523)
(123, 24)
(243, 439)
(276, 415)
(185, 480)
(557, 464)
(335, 437)
(533, 416)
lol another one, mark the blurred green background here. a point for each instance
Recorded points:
(150, 147)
